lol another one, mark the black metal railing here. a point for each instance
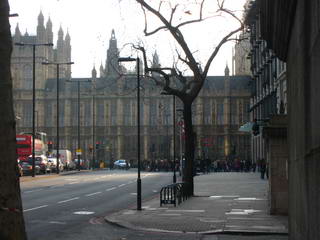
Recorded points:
(173, 194)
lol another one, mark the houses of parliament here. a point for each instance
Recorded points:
(108, 105)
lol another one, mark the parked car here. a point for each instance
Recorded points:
(27, 168)
(121, 164)
(42, 162)
(53, 164)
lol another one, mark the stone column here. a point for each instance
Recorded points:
(275, 135)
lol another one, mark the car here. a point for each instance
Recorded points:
(42, 162)
(52, 161)
(26, 168)
(121, 164)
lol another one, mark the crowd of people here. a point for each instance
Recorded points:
(208, 165)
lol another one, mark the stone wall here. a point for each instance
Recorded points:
(303, 69)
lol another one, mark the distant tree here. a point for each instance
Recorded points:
(174, 15)
(11, 214)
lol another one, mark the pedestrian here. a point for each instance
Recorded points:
(262, 168)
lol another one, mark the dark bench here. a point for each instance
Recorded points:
(173, 193)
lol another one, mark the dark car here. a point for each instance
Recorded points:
(26, 168)
(42, 162)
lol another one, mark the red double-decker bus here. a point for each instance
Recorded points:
(24, 145)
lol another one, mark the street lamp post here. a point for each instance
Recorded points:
(94, 94)
(57, 142)
(130, 59)
(174, 133)
(33, 45)
(79, 147)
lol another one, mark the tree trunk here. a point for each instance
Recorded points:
(11, 214)
(189, 148)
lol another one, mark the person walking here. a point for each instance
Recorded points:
(263, 168)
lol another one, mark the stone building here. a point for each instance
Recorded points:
(108, 109)
(292, 30)
(268, 106)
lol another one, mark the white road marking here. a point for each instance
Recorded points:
(56, 222)
(109, 189)
(121, 185)
(91, 194)
(31, 191)
(68, 200)
(83, 213)
(30, 209)
(182, 210)
(134, 193)
(73, 182)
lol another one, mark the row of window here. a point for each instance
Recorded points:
(212, 113)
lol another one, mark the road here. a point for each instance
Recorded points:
(63, 206)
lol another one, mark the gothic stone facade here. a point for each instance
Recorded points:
(108, 107)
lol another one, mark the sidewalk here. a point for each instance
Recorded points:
(224, 203)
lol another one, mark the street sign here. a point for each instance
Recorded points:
(79, 151)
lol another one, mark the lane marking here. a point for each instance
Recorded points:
(56, 222)
(68, 200)
(91, 194)
(73, 182)
(134, 193)
(31, 209)
(109, 189)
(83, 213)
(31, 191)
(121, 185)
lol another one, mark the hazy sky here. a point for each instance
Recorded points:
(90, 23)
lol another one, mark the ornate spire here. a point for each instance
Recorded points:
(94, 72)
(49, 24)
(40, 18)
(60, 33)
(155, 59)
(226, 70)
(17, 31)
(68, 36)
(113, 35)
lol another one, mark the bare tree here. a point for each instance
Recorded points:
(172, 20)
(11, 214)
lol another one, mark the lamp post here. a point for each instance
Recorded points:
(94, 94)
(58, 67)
(79, 147)
(33, 45)
(130, 59)
(174, 133)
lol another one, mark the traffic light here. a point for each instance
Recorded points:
(50, 145)
(97, 145)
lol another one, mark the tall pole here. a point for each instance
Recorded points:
(33, 108)
(93, 131)
(79, 125)
(57, 156)
(174, 139)
(58, 90)
(138, 123)
(33, 92)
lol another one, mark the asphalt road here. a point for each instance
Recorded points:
(56, 207)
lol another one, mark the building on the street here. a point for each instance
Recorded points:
(268, 107)
(291, 29)
(108, 107)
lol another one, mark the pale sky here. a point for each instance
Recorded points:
(90, 23)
